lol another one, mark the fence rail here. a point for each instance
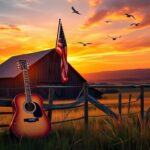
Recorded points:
(83, 100)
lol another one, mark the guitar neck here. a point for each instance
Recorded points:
(27, 85)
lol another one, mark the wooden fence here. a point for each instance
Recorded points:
(84, 98)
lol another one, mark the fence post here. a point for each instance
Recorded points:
(142, 102)
(129, 104)
(86, 104)
(120, 103)
(50, 101)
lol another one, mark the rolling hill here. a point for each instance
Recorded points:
(120, 76)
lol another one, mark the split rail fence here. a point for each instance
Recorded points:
(84, 99)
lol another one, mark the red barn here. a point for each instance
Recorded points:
(44, 69)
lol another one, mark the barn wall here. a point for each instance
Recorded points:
(44, 72)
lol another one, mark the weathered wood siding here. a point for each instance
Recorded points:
(45, 71)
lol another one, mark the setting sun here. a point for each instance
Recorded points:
(31, 26)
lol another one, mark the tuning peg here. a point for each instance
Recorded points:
(18, 65)
(28, 65)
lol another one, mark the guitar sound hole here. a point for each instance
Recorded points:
(29, 106)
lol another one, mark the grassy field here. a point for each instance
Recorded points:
(103, 132)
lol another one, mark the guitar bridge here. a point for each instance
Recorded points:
(31, 119)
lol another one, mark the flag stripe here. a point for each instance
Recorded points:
(61, 49)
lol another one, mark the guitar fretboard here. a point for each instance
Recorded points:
(27, 85)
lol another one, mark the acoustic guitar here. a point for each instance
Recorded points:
(29, 118)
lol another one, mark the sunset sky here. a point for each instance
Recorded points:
(31, 25)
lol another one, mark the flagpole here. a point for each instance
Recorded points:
(58, 31)
(54, 56)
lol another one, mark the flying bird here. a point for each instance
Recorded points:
(75, 11)
(84, 44)
(108, 21)
(135, 24)
(114, 37)
(129, 16)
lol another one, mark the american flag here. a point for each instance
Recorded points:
(61, 49)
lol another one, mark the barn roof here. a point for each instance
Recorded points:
(8, 69)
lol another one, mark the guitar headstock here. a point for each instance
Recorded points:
(22, 64)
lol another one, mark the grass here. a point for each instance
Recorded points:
(102, 134)
(129, 133)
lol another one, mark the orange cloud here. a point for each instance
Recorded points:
(133, 44)
(107, 8)
(94, 19)
(110, 61)
(10, 27)
(94, 2)
(71, 1)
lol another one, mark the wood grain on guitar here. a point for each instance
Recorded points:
(29, 118)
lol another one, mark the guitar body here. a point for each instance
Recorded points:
(29, 120)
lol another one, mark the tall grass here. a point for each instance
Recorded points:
(102, 134)
(129, 133)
